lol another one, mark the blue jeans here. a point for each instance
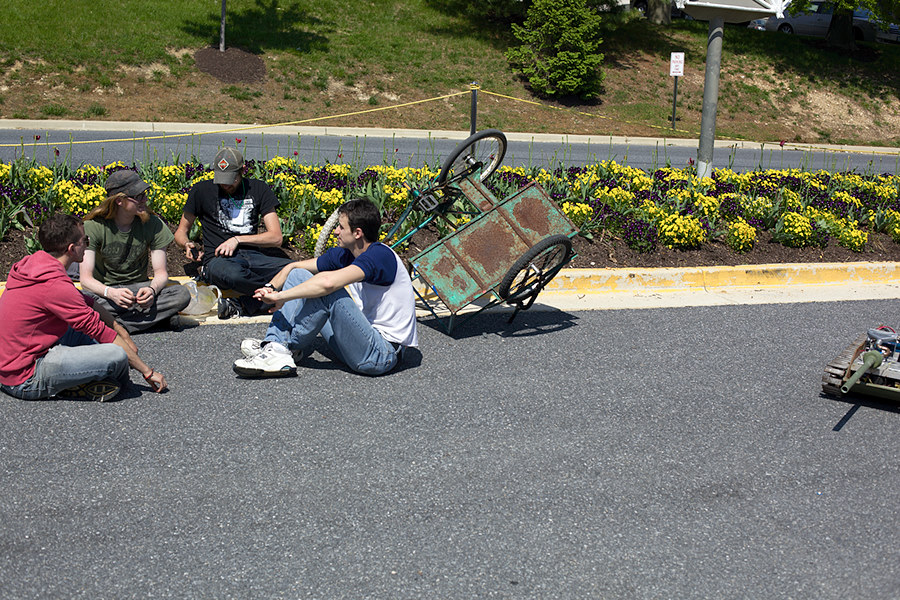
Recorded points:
(245, 272)
(74, 360)
(340, 321)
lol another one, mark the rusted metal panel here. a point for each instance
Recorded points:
(478, 194)
(446, 274)
(536, 216)
(470, 262)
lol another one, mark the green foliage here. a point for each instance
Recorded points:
(559, 55)
(495, 10)
(10, 214)
(54, 110)
(240, 93)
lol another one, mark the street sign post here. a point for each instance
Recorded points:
(676, 70)
(719, 12)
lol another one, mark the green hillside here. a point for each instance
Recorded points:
(136, 61)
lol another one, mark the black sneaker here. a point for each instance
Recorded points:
(99, 391)
(228, 308)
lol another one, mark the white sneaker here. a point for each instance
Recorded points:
(250, 347)
(274, 360)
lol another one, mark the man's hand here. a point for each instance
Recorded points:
(192, 251)
(121, 297)
(228, 247)
(145, 296)
(269, 296)
(157, 381)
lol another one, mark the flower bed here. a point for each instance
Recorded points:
(668, 209)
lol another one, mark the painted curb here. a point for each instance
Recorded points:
(600, 281)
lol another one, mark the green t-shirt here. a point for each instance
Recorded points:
(124, 258)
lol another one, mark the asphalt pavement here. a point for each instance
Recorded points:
(661, 453)
(670, 442)
(102, 142)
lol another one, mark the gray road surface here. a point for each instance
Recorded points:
(410, 148)
(672, 453)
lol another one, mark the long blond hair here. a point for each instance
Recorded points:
(108, 208)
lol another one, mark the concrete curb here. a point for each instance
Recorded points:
(599, 281)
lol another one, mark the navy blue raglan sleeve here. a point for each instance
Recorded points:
(378, 264)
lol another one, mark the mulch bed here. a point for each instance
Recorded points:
(232, 66)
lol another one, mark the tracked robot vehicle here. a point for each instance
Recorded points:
(870, 366)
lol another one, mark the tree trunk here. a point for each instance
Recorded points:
(840, 31)
(222, 30)
(659, 12)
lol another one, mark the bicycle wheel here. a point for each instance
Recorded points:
(327, 230)
(484, 150)
(534, 269)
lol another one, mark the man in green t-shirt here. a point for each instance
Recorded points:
(125, 241)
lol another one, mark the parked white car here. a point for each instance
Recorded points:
(816, 23)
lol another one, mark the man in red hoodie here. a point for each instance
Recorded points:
(54, 342)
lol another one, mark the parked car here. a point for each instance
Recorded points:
(816, 23)
(758, 24)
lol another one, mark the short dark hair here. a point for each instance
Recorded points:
(363, 214)
(58, 231)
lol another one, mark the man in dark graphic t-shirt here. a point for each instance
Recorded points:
(235, 254)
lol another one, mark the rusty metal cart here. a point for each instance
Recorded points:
(499, 251)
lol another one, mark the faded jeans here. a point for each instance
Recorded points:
(75, 359)
(341, 323)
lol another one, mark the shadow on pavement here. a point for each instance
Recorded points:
(321, 358)
(525, 324)
(858, 402)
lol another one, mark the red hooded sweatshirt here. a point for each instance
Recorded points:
(39, 305)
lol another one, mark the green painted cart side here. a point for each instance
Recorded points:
(472, 261)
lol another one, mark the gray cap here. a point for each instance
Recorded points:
(126, 182)
(227, 164)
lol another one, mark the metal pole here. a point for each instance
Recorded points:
(474, 110)
(674, 99)
(710, 97)
(222, 30)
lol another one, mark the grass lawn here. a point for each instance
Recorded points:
(322, 58)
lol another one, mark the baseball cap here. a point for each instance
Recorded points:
(126, 182)
(227, 164)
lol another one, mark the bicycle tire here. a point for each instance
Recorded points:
(486, 147)
(534, 269)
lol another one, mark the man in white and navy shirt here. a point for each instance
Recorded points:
(357, 295)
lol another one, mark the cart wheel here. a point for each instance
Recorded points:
(327, 229)
(534, 269)
(484, 149)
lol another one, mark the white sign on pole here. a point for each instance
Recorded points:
(676, 65)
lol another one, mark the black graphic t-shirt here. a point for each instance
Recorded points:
(223, 216)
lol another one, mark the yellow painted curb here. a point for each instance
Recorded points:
(597, 281)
